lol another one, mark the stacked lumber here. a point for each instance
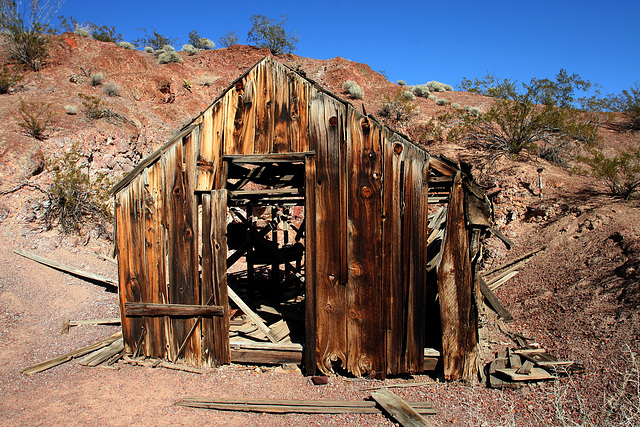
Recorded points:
(513, 367)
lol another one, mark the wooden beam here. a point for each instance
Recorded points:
(493, 301)
(294, 405)
(265, 357)
(96, 278)
(513, 262)
(399, 409)
(268, 158)
(251, 345)
(251, 315)
(171, 310)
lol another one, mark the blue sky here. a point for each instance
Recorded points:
(416, 41)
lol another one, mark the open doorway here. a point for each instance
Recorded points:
(266, 251)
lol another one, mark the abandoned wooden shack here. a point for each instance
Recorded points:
(281, 199)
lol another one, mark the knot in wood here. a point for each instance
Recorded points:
(366, 126)
(397, 148)
(328, 307)
(333, 121)
(356, 269)
(366, 192)
(353, 314)
(177, 191)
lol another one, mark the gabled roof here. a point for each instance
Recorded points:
(149, 160)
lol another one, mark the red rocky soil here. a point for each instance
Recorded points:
(579, 298)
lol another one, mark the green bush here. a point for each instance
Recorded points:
(190, 49)
(397, 109)
(168, 55)
(148, 49)
(401, 83)
(420, 90)
(156, 40)
(434, 86)
(200, 43)
(94, 109)
(24, 26)
(629, 103)
(8, 78)
(73, 199)
(82, 32)
(268, 33)
(432, 97)
(127, 45)
(441, 101)
(71, 110)
(229, 39)
(35, 118)
(456, 105)
(103, 33)
(621, 172)
(353, 89)
(407, 94)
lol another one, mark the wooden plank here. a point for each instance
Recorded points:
(103, 354)
(231, 112)
(237, 344)
(106, 321)
(330, 279)
(299, 113)
(245, 121)
(267, 357)
(268, 158)
(393, 276)
(493, 301)
(399, 409)
(251, 314)
(442, 167)
(415, 236)
(295, 406)
(85, 275)
(209, 150)
(310, 354)
(172, 310)
(215, 343)
(155, 245)
(499, 281)
(536, 374)
(513, 262)
(48, 364)
(456, 293)
(365, 333)
(264, 105)
(281, 111)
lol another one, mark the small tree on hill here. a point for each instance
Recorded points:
(25, 27)
(229, 39)
(629, 104)
(621, 173)
(545, 115)
(156, 40)
(269, 33)
(198, 42)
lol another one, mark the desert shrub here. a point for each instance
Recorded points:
(397, 109)
(96, 79)
(401, 83)
(431, 132)
(432, 97)
(352, 88)
(438, 87)
(187, 85)
(475, 111)
(82, 32)
(148, 49)
(541, 116)
(200, 43)
(72, 110)
(35, 118)
(8, 78)
(266, 32)
(408, 95)
(156, 40)
(228, 39)
(168, 55)
(73, 199)
(629, 104)
(441, 101)
(420, 90)
(620, 172)
(456, 105)
(189, 49)
(206, 79)
(127, 45)
(24, 26)
(94, 108)
(111, 89)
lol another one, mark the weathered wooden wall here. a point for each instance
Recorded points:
(366, 226)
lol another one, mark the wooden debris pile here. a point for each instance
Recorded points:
(514, 367)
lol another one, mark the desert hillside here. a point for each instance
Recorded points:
(579, 298)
